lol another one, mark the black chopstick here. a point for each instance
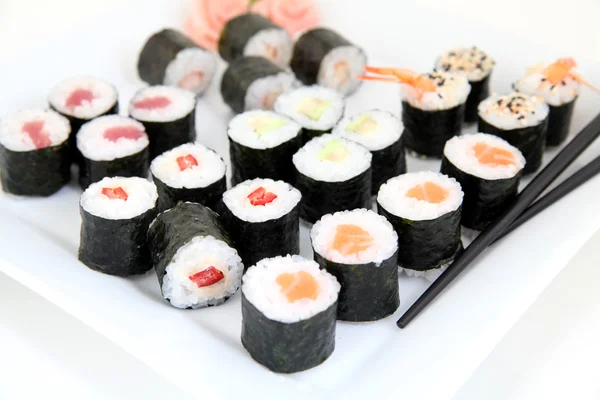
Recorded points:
(500, 224)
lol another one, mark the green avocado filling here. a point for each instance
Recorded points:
(363, 125)
(265, 124)
(314, 108)
(334, 151)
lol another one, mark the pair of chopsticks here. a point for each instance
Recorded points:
(520, 212)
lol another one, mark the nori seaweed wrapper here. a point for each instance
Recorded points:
(559, 123)
(426, 132)
(388, 163)
(115, 246)
(483, 199)
(320, 197)
(310, 134)
(237, 33)
(208, 196)
(288, 348)
(480, 90)
(91, 171)
(369, 292)
(164, 136)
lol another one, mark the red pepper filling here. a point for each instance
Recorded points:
(78, 96)
(152, 103)
(115, 193)
(260, 197)
(34, 130)
(208, 277)
(186, 162)
(128, 132)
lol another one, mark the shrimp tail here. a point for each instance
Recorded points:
(580, 79)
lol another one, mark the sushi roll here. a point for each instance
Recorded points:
(315, 108)
(115, 216)
(190, 172)
(519, 119)
(288, 313)
(254, 83)
(112, 146)
(193, 258)
(262, 217)
(168, 115)
(254, 35)
(477, 65)
(425, 210)
(261, 145)
(359, 248)
(170, 58)
(324, 57)
(380, 132)
(35, 156)
(489, 171)
(333, 174)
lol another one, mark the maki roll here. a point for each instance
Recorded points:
(254, 83)
(193, 258)
(262, 217)
(35, 157)
(489, 171)
(324, 57)
(170, 58)
(168, 115)
(315, 108)
(477, 65)
(519, 119)
(425, 210)
(190, 172)
(359, 248)
(112, 146)
(261, 145)
(288, 313)
(378, 131)
(333, 174)
(254, 35)
(115, 215)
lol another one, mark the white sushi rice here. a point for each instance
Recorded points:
(261, 289)
(183, 103)
(14, 138)
(189, 60)
(241, 131)
(105, 97)
(263, 93)
(141, 197)
(475, 63)
(356, 60)
(385, 239)
(530, 111)
(307, 161)
(387, 129)
(534, 83)
(429, 274)
(210, 168)
(195, 256)
(459, 151)
(267, 39)
(288, 104)
(453, 90)
(94, 146)
(392, 196)
(236, 200)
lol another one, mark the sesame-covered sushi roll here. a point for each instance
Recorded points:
(115, 215)
(333, 174)
(168, 115)
(315, 108)
(489, 171)
(261, 145)
(288, 313)
(425, 210)
(193, 257)
(519, 119)
(170, 58)
(359, 248)
(380, 132)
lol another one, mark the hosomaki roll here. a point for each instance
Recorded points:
(35, 156)
(262, 217)
(254, 35)
(489, 171)
(168, 115)
(170, 58)
(254, 83)
(261, 145)
(333, 174)
(190, 172)
(288, 313)
(359, 248)
(315, 108)
(322, 56)
(112, 146)
(115, 215)
(380, 132)
(520, 120)
(195, 263)
(477, 66)
(425, 210)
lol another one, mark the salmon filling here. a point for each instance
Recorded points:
(152, 103)
(351, 239)
(298, 285)
(192, 81)
(493, 156)
(127, 132)
(429, 192)
(35, 131)
(342, 71)
(77, 97)
(115, 193)
(207, 277)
